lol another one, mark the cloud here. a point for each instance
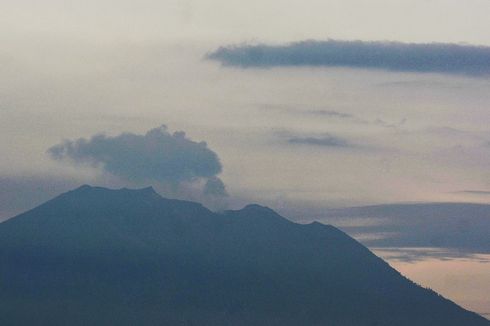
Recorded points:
(395, 56)
(331, 114)
(337, 115)
(326, 140)
(214, 187)
(422, 84)
(473, 192)
(327, 113)
(157, 156)
(461, 227)
(412, 255)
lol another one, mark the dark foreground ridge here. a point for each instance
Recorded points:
(95, 256)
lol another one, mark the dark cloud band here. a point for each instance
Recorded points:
(325, 140)
(474, 192)
(396, 56)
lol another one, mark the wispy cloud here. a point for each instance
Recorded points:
(331, 113)
(325, 140)
(474, 192)
(396, 56)
(335, 115)
(412, 255)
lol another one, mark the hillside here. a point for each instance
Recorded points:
(95, 256)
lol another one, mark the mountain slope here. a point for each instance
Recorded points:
(95, 256)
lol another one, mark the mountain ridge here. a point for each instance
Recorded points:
(123, 257)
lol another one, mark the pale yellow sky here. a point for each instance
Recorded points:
(465, 281)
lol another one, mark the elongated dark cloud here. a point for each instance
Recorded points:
(331, 113)
(460, 227)
(157, 156)
(338, 115)
(474, 192)
(396, 56)
(412, 255)
(355, 119)
(326, 140)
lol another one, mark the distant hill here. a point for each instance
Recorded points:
(95, 256)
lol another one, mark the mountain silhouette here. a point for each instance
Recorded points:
(95, 256)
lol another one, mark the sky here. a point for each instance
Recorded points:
(258, 101)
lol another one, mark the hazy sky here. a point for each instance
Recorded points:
(71, 70)
(235, 21)
(332, 136)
